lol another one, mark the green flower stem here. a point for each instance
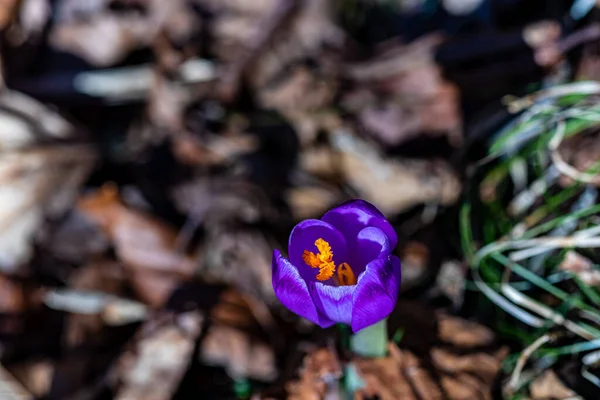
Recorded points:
(371, 341)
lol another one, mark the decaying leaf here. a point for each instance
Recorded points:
(548, 386)
(8, 11)
(241, 258)
(319, 374)
(147, 247)
(12, 296)
(301, 98)
(378, 179)
(407, 95)
(415, 259)
(241, 356)
(153, 368)
(581, 154)
(215, 201)
(463, 333)
(36, 376)
(451, 281)
(10, 389)
(37, 181)
(80, 24)
(581, 267)
(101, 277)
(401, 375)
(312, 201)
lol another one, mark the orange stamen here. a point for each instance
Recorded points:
(345, 275)
(324, 261)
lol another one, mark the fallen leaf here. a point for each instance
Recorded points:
(581, 267)
(241, 356)
(36, 376)
(10, 388)
(37, 181)
(154, 366)
(548, 386)
(318, 374)
(463, 333)
(147, 247)
(377, 178)
(241, 258)
(311, 201)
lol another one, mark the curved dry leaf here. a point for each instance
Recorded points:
(12, 296)
(153, 368)
(37, 182)
(36, 376)
(394, 185)
(242, 259)
(215, 201)
(581, 267)
(311, 201)
(241, 356)
(318, 370)
(147, 247)
(10, 388)
(463, 333)
(81, 24)
(548, 386)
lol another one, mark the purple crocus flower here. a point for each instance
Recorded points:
(340, 268)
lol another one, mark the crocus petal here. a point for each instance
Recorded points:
(333, 301)
(376, 292)
(303, 237)
(370, 243)
(353, 216)
(292, 291)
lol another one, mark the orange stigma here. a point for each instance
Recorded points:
(324, 261)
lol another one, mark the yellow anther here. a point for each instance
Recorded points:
(325, 253)
(323, 260)
(311, 259)
(345, 275)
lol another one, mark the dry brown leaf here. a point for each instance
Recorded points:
(36, 376)
(415, 259)
(319, 161)
(402, 375)
(80, 25)
(37, 182)
(301, 97)
(589, 66)
(462, 373)
(12, 297)
(463, 333)
(464, 387)
(147, 247)
(451, 281)
(153, 369)
(482, 365)
(8, 9)
(10, 389)
(318, 372)
(241, 258)
(216, 201)
(106, 277)
(311, 201)
(581, 267)
(582, 153)
(548, 386)
(241, 356)
(394, 185)
(416, 98)
(398, 376)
